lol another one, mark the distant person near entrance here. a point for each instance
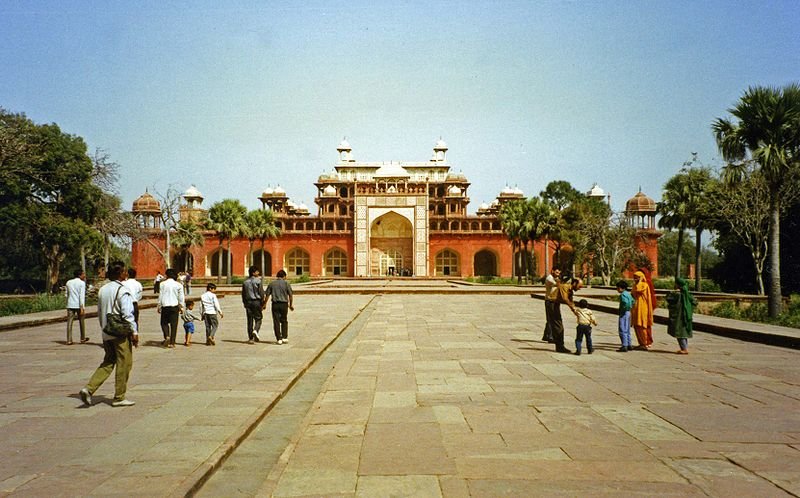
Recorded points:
(281, 293)
(254, 301)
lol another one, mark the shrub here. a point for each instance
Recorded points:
(35, 304)
(301, 279)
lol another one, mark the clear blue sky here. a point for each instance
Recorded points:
(236, 96)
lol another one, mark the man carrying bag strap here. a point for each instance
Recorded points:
(114, 310)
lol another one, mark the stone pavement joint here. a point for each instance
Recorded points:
(450, 394)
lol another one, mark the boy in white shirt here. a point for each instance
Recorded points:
(209, 308)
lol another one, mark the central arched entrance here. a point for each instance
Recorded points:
(391, 245)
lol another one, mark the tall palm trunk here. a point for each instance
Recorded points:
(775, 304)
(219, 261)
(678, 256)
(263, 270)
(230, 264)
(698, 257)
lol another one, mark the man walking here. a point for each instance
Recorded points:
(281, 292)
(254, 301)
(76, 304)
(135, 287)
(550, 305)
(171, 302)
(114, 297)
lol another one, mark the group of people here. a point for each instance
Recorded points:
(120, 298)
(635, 309)
(183, 278)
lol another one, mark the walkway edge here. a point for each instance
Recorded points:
(199, 476)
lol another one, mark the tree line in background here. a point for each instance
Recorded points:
(744, 205)
(60, 210)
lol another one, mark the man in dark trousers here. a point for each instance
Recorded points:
(281, 292)
(254, 301)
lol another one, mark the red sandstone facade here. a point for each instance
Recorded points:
(374, 219)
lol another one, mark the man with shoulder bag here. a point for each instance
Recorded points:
(120, 335)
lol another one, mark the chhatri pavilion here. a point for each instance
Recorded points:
(373, 219)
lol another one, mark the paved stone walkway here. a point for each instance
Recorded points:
(449, 395)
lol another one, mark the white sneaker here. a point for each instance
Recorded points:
(86, 396)
(280, 341)
(255, 336)
(122, 402)
(286, 340)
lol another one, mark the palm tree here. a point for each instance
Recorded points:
(188, 234)
(767, 129)
(511, 214)
(683, 206)
(260, 226)
(227, 218)
(538, 215)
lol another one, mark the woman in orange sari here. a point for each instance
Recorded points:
(642, 311)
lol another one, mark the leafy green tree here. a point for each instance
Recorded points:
(744, 209)
(260, 225)
(227, 219)
(46, 191)
(766, 129)
(560, 195)
(667, 254)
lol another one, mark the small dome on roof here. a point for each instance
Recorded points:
(302, 207)
(146, 203)
(329, 190)
(279, 190)
(495, 202)
(640, 203)
(344, 144)
(595, 191)
(440, 144)
(518, 191)
(484, 206)
(267, 191)
(291, 203)
(507, 190)
(392, 170)
(192, 192)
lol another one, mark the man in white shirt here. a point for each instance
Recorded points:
(76, 304)
(136, 289)
(171, 301)
(118, 350)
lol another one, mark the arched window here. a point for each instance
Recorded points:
(335, 262)
(447, 263)
(485, 264)
(297, 262)
(213, 263)
(266, 268)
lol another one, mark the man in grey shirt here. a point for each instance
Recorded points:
(281, 292)
(254, 302)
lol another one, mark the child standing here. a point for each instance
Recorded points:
(188, 322)
(585, 322)
(625, 305)
(210, 308)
